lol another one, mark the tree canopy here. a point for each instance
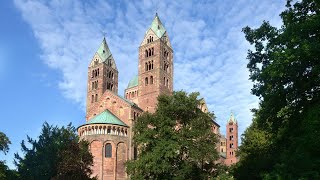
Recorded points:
(4, 143)
(283, 140)
(175, 142)
(57, 154)
(5, 172)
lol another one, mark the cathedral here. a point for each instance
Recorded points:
(110, 117)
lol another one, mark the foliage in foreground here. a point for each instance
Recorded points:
(57, 154)
(176, 142)
(283, 140)
(5, 172)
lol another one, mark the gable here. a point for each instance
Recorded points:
(147, 36)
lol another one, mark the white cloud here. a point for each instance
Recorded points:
(210, 49)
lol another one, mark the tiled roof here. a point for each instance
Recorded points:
(105, 54)
(157, 27)
(106, 117)
(232, 118)
(133, 82)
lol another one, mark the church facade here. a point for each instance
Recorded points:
(110, 117)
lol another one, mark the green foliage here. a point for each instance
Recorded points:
(5, 172)
(57, 154)
(4, 143)
(282, 142)
(176, 142)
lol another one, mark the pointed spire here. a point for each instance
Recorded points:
(105, 54)
(157, 26)
(232, 118)
(104, 51)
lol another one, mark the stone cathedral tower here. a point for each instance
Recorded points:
(155, 72)
(102, 75)
(110, 117)
(232, 140)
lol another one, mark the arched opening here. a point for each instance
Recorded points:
(152, 51)
(151, 79)
(149, 65)
(146, 53)
(96, 98)
(164, 81)
(146, 66)
(92, 98)
(167, 82)
(108, 150)
(152, 64)
(146, 81)
(149, 52)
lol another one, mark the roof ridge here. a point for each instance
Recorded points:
(157, 26)
(104, 53)
(105, 119)
(126, 100)
(133, 82)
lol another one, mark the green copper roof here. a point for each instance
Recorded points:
(232, 118)
(105, 54)
(104, 51)
(133, 82)
(106, 117)
(157, 26)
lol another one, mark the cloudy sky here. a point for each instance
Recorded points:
(46, 46)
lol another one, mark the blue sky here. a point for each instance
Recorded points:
(46, 46)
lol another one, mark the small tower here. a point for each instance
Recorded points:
(232, 140)
(102, 75)
(155, 72)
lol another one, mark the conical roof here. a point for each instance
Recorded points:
(104, 51)
(157, 27)
(105, 54)
(106, 117)
(232, 119)
(133, 82)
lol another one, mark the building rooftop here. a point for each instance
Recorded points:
(106, 117)
(133, 82)
(232, 119)
(157, 27)
(105, 54)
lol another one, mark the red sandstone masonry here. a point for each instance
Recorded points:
(231, 152)
(148, 94)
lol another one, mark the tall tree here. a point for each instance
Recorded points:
(176, 142)
(57, 154)
(283, 140)
(4, 143)
(5, 172)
